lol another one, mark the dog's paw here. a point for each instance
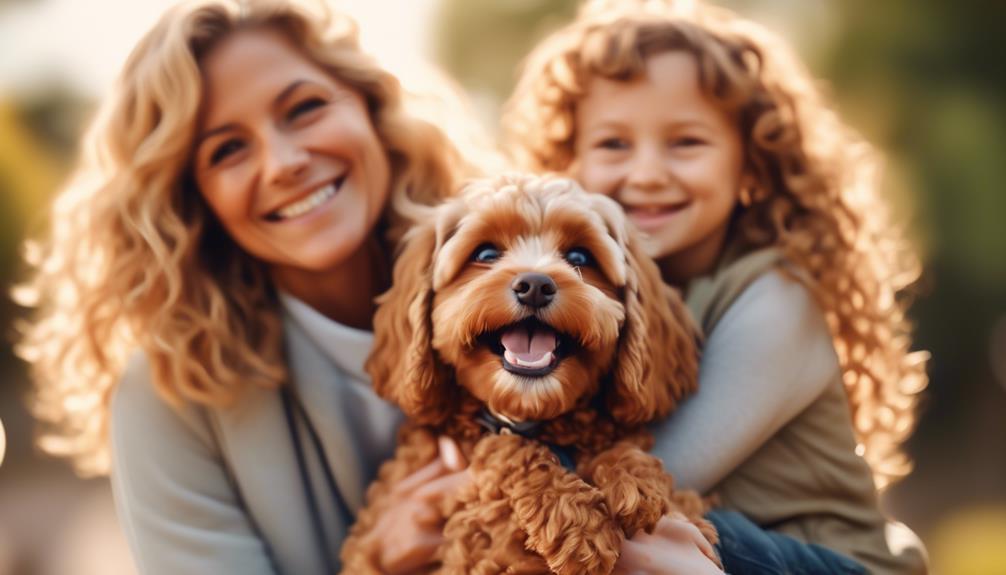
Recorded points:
(637, 490)
(587, 542)
(636, 505)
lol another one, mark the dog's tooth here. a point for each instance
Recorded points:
(538, 363)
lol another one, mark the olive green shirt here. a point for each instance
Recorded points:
(805, 479)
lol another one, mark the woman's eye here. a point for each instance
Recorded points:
(305, 106)
(486, 253)
(579, 257)
(224, 150)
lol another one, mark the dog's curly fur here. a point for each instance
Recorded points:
(626, 355)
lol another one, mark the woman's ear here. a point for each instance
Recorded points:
(403, 366)
(657, 363)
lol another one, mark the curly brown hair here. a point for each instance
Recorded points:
(136, 260)
(817, 199)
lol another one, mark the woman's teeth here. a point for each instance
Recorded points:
(307, 204)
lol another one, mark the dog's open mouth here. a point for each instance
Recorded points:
(529, 348)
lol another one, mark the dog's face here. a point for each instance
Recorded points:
(527, 304)
(532, 295)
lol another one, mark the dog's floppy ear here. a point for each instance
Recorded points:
(403, 366)
(657, 362)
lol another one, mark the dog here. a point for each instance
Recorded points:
(526, 322)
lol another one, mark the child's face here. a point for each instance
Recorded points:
(667, 153)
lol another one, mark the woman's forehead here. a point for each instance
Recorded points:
(249, 65)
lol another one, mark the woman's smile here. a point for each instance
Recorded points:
(308, 204)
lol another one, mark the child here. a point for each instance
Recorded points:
(762, 206)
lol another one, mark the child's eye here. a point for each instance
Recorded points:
(225, 150)
(688, 142)
(579, 257)
(304, 106)
(486, 253)
(613, 144)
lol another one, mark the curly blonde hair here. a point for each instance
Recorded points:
(817, 198)
(136, 260)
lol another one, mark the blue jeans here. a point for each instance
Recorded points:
(746, 548)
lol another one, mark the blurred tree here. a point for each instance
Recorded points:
(937, 72)
(481, 41)
(28, 175)
(33, 161)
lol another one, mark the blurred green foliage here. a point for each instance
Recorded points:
(480, 41)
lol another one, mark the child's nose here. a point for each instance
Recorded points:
(648, 170)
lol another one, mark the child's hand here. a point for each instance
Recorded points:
(407, 536)
(676, 547)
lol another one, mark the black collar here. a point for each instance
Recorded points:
(497, 424)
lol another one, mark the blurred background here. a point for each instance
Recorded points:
(925, 80)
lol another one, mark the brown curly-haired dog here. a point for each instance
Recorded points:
(526, 306)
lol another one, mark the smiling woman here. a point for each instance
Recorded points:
(205, 296)
(291, 164)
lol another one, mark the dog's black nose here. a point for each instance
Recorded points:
(534, 289)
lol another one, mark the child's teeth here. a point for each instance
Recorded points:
(308, 203)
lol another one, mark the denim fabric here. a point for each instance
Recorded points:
(746, 548)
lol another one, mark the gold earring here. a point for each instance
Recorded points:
(746, 197)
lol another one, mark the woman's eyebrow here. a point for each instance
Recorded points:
(213, 132)
(286, 92)
(277, 102)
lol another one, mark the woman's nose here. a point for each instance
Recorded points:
(285, 160)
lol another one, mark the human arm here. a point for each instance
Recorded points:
(766, 360)
(178, 508)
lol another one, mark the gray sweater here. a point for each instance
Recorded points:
(220, 491)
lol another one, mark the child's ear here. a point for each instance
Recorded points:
(403, 366)
(747, 188)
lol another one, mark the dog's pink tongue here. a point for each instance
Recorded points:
(526, 349)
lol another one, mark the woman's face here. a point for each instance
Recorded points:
(669, 155)
(286, 155)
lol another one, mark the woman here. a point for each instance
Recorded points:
(205, 293)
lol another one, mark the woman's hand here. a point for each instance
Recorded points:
(408, 534)
(676, 547)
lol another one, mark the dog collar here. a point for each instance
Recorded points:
(501, 425)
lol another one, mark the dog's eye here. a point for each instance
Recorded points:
(579, 257)
(486, 253)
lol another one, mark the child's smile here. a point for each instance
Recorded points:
(667, 153)
(650, 217)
